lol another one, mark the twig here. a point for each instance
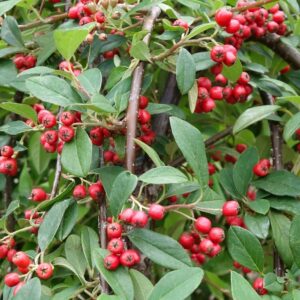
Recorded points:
(276, 138)
(136, 86)
(252, 5)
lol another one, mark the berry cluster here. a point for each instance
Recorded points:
(230, 211)
(203, 241)
(23, 62)
(262, 168)
(8, 164)
(95, 190)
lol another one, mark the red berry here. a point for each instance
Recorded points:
(139, 219)
(35, 229)
(10, 254)
(203, 224)
(100, 17)
(156, 212)
(113, 230)
(272, 26)
(216, 235)
(96, 136)
(206, 246)
(30, 61)
(111, 262)
(211, 169)
(67, 118)
(202, 93)
(216, 93)
(244, 78)
(186, 240)
(240, 148)
(73, 13)
(204, 82)
(143, 102)
(12, 279)
(66, 66)
(66, 133)
(49, 148)
(21, 259)
(258, 285)
(215, 251)
(230, 208)
(38, 195)
(49, 120)
(181, 24)
(216, 69)
(128, 258)
(79, 191)
(279, 17)
(7, 151)
(233, 26)
(116, 246)
(96, 190)
(126, 215)
(85, 20)
(230, 158)
(229, 58)
(220, 79)
(173, 199)
(237, 265)
(3, 251)
(285, 69)
(44, 271)
(208, 105)
(217, 53)
(108, 156)
(274, 9)
(30, 214)
(19, 61)
(8, 166)
(50, 137)
(223, 17)
(18, 287)
(144, 116)
(239, 93)
(261, 169)
(246, 270)
(10, 242)
(235, 221)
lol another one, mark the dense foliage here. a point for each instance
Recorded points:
(149, 150)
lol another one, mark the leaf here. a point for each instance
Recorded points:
(260, 206)
(245, 248)
(141, 284)
(89, 242)
(123, 186)
(280, 183)
(190, 141)
(60, 261)
(181, 188)
(31, 290)
(158, 108)
(40, 70)
(294, 239)
(15, 127)
(51, 223)
(253, 115)
(68, 40)
(177, 284)
(140, 51)
(23, 110)
(202, 61)
(11, 33)
(258, 225)
(200, 28)
(241, 288)
(53, 90)
(280, 231)
(210, 207)
(163, 175)
(108, 297)
(291, 126)
(226, 180)
(76, 156)
(7, 5)
(8, 72)
(91, 80)
(25, 182)
(185, 71)
(193, 96)
(13, 205)
(242, 170)
(233, 72)
(160, 248)
(104, 105)
(151, 153)
(119, 280)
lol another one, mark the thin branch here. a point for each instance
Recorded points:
(136, 86)
(252, 5)
(277, 142)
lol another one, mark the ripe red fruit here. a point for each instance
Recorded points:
(49, 148)
(216, 235)
(49, 120)
(3, 251)
(7, 151)
(181, 24)
(143, 116)
(30, 61)
(203, 224)
(67, 118)
(79, 191)
(66, 133)
(37, 222)
(211, 169)
(10, 242)
(100, 17)
(8, 166)
(111, 262)
(230, 158)
(30, 214)
(18, 287)
(116, 246)
(202, 93)
(217, 53)
(173, 199)
(239, 93)
(216, 93)
(215, 251)
(206, 246)
(272, 26)
(129, 258)
(38, 195)
(186, 240)
(10, 254)
(237, 265)
(126, 215)
(240, 148)
(50, 137)
(139, 219)
(223, 17)
(44, 270)
(156, 212)
(261, 169)
(258, 285)
(96, 136)
(233, 26)
(216, 69)
(220, 79)
(21, 259)
(274, 9)
(246, 270)
(19, 61)
(285, 69)
(244, 78)
(73, 13)
(208, 105)
(113, 230)
(85, 20)
(204, 82)
(230, 208)
(143, 102)
(279, 17)
(95, 190)
(12, 279)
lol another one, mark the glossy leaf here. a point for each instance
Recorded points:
(23, 110)
(15, 127)
(141, 284)
(291, 126)
(258, 225)
(260, 206)
(89, 242)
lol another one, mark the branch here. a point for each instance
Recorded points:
(277, 142)
(131, 117)
(252, 5)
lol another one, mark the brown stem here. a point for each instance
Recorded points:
(277, 142)
(252, 5)
(132, 111)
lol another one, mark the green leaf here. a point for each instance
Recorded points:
(242, 170)
(77, 155)
(233, 72)
(241, 288)
(141, 284)
(51, 224)
(151, 153)
(280, 183)
(11, 33)
(53, 90)
(7, 5)
(104, 105)
(40, 70)
(210, 207)
(193, 96)
(68, 40)
(160, 248)
(190, 141)
(15, 127)
(60, 261)
(31, 290)
(158, 108)
(201, 28)
(260, 206)
(140, 51)
(25, 182)
(91, 80)
(291, 126)
(122, 187)
(108, 297)
(202, 61)
(181, 188)
(245, 248)
(163, 175)
(8, 72)
(23, 110)
(253, 115)
(226, 180)
(280, 231)
(89, 242)
(294, 239)
(119, 280)
(258, 225)
(185, 71)
(13, 205)
(285, 204)
(177, 284)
